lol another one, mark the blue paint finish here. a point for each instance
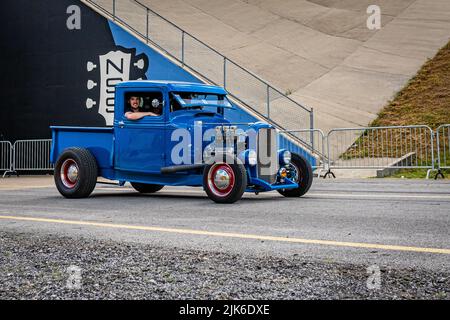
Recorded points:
(178, 179)
(140, 145)
(284, 143)
(176, 86)
(140, 148)
(264, 186)
(99, 141)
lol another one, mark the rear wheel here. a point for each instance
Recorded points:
(225, 183)
(145, 187)
(76, 173)
(299, 171)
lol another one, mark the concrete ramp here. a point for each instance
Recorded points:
(320, 52)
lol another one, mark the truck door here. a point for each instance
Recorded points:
(140, 144)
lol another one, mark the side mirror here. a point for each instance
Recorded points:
(156, 103)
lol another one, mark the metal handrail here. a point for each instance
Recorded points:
(225, 59)
(220, 54)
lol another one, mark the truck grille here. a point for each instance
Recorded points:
(267, 155)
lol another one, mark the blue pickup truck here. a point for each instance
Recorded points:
(183, 140)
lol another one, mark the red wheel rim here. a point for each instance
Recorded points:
(69, 173)
(221, 179)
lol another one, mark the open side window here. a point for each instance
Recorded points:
(144, 102)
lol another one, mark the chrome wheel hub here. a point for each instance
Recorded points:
(69, 173)
(72, 173)
(222, 179)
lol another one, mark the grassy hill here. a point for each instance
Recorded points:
(424, 100)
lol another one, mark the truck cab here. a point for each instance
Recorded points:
(169, 133)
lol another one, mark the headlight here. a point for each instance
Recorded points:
(252, 157)
(285, 157)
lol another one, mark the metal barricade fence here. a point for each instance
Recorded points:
(443, 147)
(307, 142)
(381, 147)
(6, 157)
(242, 85)
(31, 155)
(401, 147)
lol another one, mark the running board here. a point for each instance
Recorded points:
(184, 167)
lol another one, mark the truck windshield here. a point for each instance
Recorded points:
(195, 100)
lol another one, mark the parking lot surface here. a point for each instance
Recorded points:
(400, 227)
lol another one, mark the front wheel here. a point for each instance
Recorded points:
(225, 183)
(299, 171)
(76, 173)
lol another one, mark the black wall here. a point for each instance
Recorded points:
(43, 67)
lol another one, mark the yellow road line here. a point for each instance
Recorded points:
(234, 235)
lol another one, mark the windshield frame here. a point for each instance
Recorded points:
(201, 102)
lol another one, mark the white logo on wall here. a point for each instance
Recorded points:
(114, 67)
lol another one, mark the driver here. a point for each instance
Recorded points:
(135, 113)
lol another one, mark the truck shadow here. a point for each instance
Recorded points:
(181, 196)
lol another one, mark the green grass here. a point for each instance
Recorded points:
(418, 174)
(425, 99)
(421, 173)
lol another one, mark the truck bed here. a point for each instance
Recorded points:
(99, 141)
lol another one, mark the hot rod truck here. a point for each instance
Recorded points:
(184, 140)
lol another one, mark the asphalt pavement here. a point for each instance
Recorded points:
(382, 212)
(387, 223)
